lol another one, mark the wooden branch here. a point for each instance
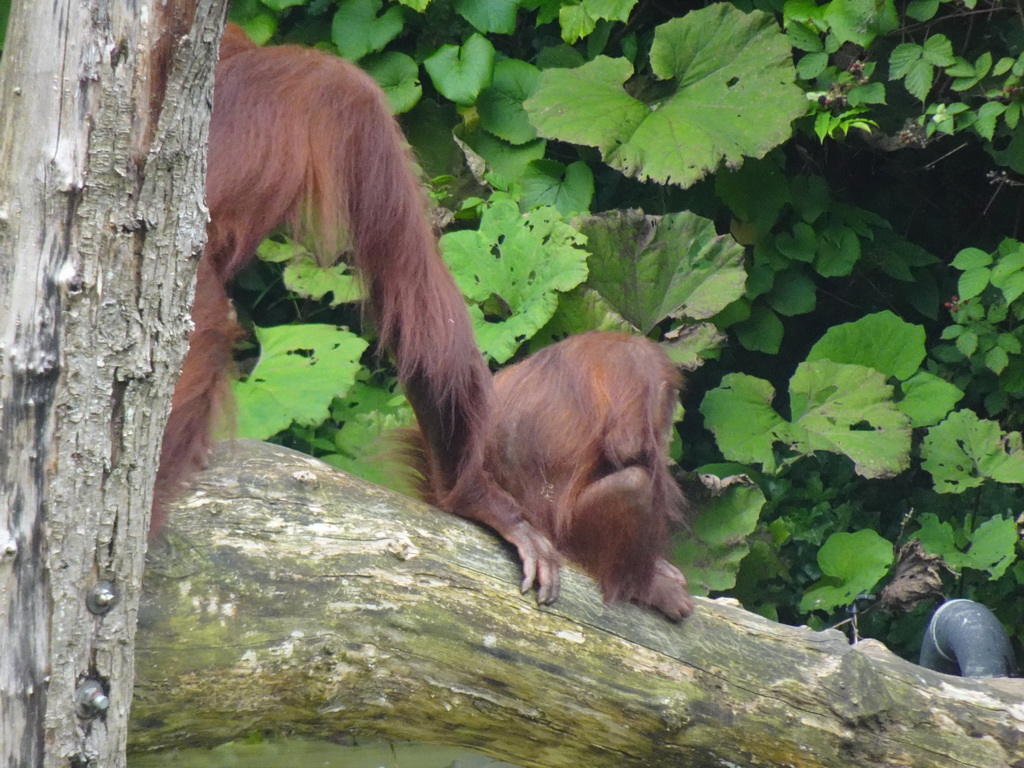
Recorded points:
(290, 597)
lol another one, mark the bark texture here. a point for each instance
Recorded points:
(291, 598)
(103, 114)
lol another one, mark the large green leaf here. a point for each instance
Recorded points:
(993, 546)
(710, 554)
(509, 161)
(734, 97)
(398, 76)
(367, 413)
(881, 341)
(579, 19)
(739, 412)
(307, 278)
(963, 451)
(844, 409)
(990, 547)
(861, 21)
(851, 564)
(301, 369)
(501, 104)
(848, 409)
(927, 399)
(652, 267)
(460, 72)
(587, 105)
(357, 29)
(548, 182)
(514, 265)
(489, 15)
(762, 331)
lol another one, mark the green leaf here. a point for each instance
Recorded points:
(851, 564)
(501, 104)
(861, 21)
(274, 252)
(869, 93)
(711, 552)
(762, 331)
(938, 50)
(1008, 276)
(507, 160)
(548, 182)
(610, 10)
(937, 538)
(903, 58)
(300, 370)
(993, 546)
(1008, 341)
(460, 72)
(804, 37)
(967, 343)
(398, 76)
(973, 282)
(357, 29)
(970, 258)
(799, 246)
(307, 278)
(927, 398)
(740, 415)
(963, 451)
(649, 267)
(734, 97)
(575, 22)
(996, 359)
(793, 293)
(518, 263)
(881, 341)
(977, 73)
(489, 15)
(922, 10)
(587, 105)
(579, 19)
(368, 413)
(848, 409)
(838, 251)
(919, 79)
(811, 65)
(259, 27)
(756, 192)
(692, 343)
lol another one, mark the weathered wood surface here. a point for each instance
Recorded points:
(101, 220)
(291, 598)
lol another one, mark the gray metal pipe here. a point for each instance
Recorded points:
(965, 638)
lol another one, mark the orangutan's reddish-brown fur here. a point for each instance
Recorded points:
(580, 439)
(304, 139)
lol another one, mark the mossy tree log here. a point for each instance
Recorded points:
(291, 598)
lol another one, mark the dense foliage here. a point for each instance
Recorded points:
(815, 206)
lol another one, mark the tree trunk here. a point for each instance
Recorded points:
(103, 114)
(290, 598)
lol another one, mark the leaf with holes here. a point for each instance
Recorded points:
(513, 268)
(734, 96)
(300, 370)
